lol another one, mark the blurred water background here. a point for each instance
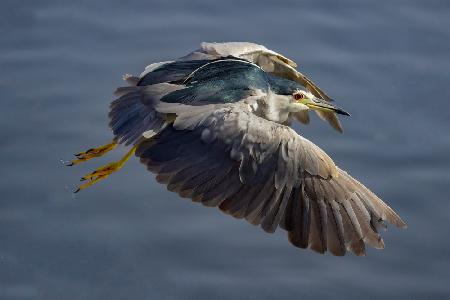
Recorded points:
(386, 62)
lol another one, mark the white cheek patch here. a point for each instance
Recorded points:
(295, 107)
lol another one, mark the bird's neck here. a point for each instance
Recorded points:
(278, 107)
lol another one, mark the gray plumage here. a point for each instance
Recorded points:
(214, 138)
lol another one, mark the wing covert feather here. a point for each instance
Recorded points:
(225, 156)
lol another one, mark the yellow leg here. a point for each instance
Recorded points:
(93, 152)
(103, 172)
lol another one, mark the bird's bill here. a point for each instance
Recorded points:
(322, 105)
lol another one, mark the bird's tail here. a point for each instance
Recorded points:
(132, 114)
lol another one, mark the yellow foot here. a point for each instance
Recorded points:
(103, 172)
(93, 152)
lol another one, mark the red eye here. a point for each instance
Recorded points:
(299, 96)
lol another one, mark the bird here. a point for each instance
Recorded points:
(215, 127)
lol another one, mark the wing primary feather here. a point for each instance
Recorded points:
(334, 245)
(254, 210)
(315, 236)
(273, 217)
(299, 236)
(339, 227)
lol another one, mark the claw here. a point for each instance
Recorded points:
(103, 172)
(91, 182)
(92, 152)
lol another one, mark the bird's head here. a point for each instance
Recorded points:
(301, 98)
(312, 102)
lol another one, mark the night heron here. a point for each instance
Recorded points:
(214, 127)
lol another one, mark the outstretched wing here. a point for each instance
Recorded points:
(271, 62)
(223, 155)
